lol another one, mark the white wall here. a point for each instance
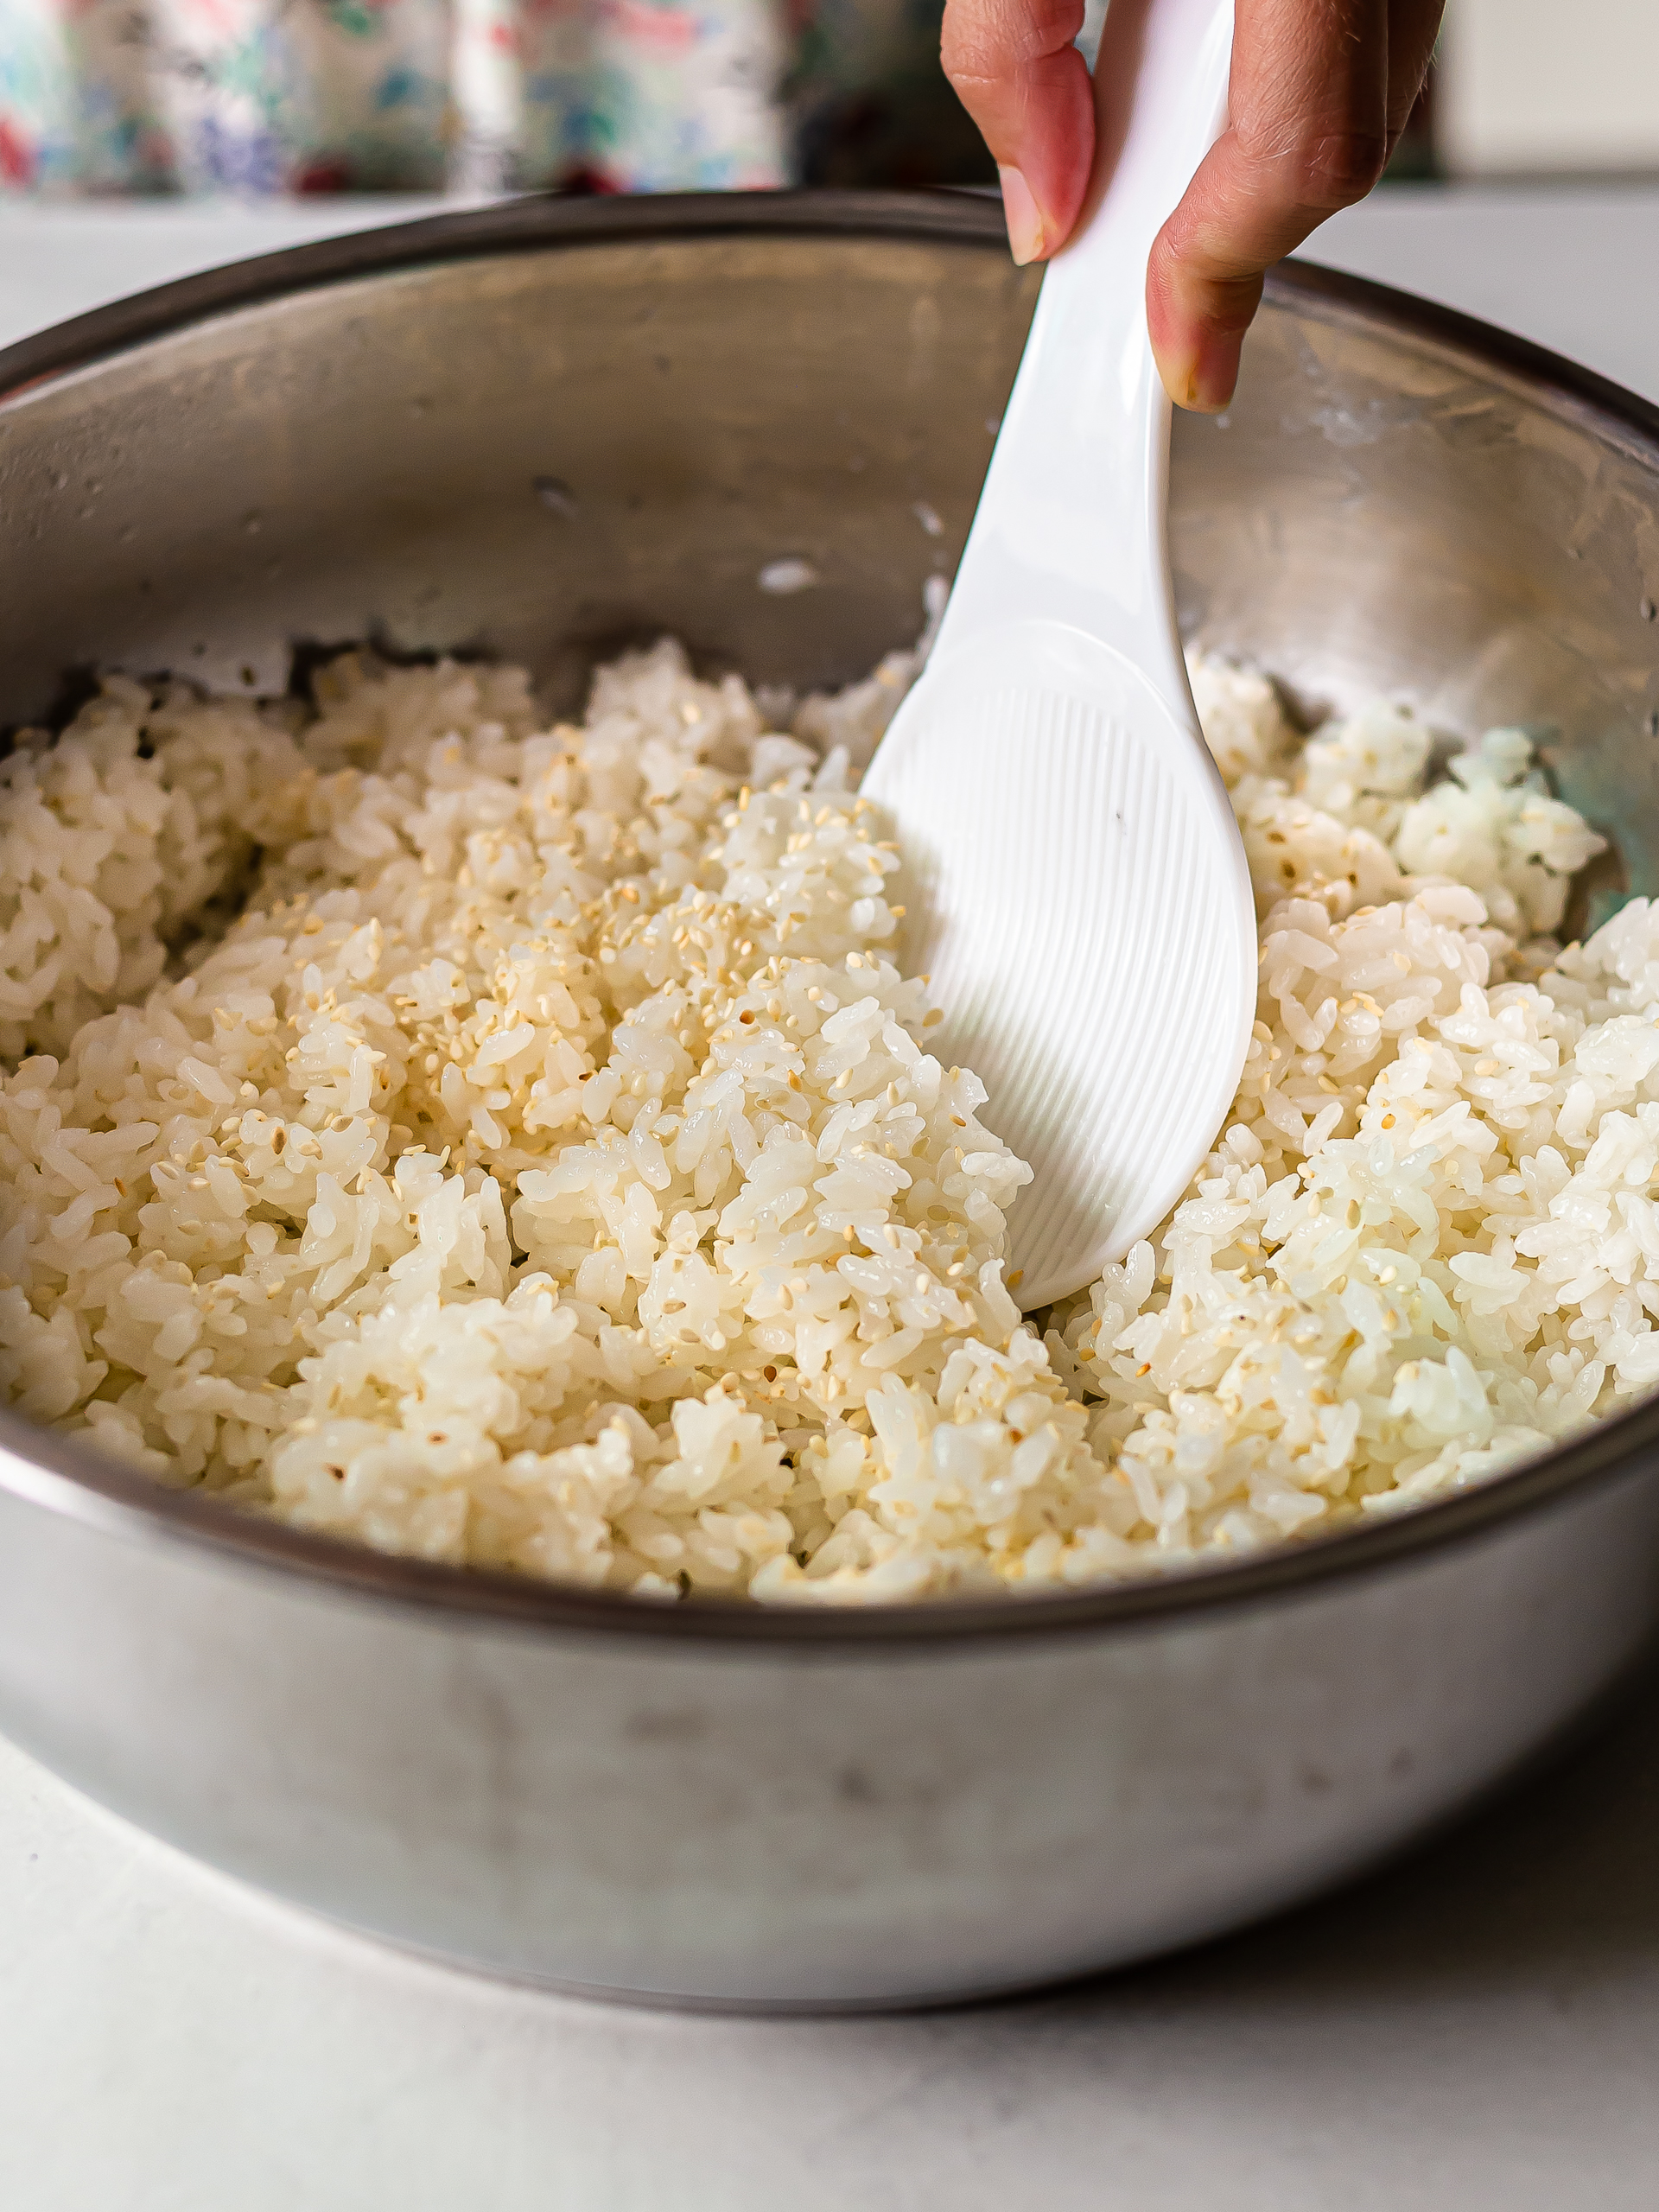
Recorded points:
(1541, 85)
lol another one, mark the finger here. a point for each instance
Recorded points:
(1413, 26)
(1308, 133)
(1017, 73)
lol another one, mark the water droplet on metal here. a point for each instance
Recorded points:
(555, 494)
(782, 577)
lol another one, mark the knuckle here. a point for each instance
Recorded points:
(965, 55)
(977, 78)
(1336, 167)
(1185, 269)
(1315, 163)
(1233, 304)
(1051, 25)
(967, 47)
(986, 42)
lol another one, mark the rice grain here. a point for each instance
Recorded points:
(518, 1145)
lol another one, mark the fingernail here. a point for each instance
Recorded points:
(1203, 381)
(1180, 377)
(1024, 220)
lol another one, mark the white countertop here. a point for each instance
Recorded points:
(1477, 2031)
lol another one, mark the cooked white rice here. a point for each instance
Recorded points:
(546, 1168)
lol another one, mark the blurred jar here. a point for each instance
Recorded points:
(217, 81)
(686, 96)
(367, 100)
(37, 148)
(258, 96)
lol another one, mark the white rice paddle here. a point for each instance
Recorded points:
(1076, 885)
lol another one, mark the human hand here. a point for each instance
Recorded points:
(1320, 91)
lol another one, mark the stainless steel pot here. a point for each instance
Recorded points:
(541, 430)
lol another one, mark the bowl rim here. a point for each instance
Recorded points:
(44, 1469)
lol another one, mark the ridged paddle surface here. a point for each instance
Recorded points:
(1077, 895)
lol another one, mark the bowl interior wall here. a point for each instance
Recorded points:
(548, 455)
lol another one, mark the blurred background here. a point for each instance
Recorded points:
(262, 97)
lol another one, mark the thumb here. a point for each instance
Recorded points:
(1016, 71)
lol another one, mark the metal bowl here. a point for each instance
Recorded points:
(543, 430)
